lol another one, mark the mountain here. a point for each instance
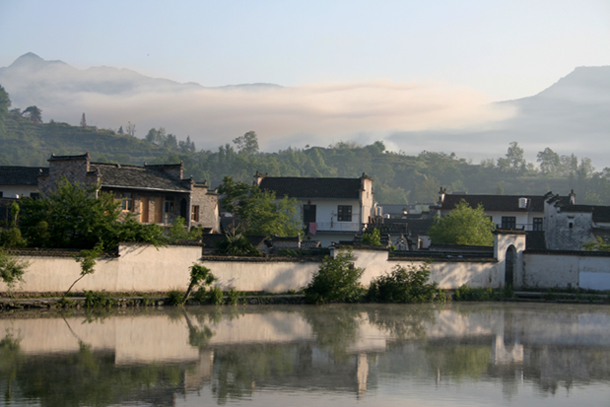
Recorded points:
(571, 116)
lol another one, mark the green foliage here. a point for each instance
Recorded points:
(215, 296)
(237, 245)
(175, 297)
(233, 296)
(95, 299)
(11, 269)
(405, 285)
(72, 217)
(464, 225)
(599, 246)
(11, 238)
(287, 252)
(201, 277)
(372, 237)
(337, 280)
(257, 211)
(87, 260)
(467, 293)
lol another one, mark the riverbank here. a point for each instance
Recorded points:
(82, 302)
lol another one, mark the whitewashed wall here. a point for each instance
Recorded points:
(566, 271)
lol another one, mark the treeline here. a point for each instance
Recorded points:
(399, 178)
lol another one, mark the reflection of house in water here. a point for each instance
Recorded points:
(335, 350)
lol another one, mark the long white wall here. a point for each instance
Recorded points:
(143, 268)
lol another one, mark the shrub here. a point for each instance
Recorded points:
(98, 299)
(404, 285)
(233, 296)
(11, 269)
(201, 277)
(467, 293)
(337, 280)
(215, 296)
(372, 237)
(175, 297)
(237, 245)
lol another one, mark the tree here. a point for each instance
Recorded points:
(72, 217)
(5, 103)
(549, 161)
(464, 225)
(11, 268)
(337, 280)
(598, 246)
(83, 122)
(130, 129)
(247, 144)
(33, 113)
(258, 211)
(514, 155)
(120, 131)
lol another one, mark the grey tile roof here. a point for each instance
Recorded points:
(600, 213)
(296, 187)
(505, 203)
(128, 176)
(13, 175)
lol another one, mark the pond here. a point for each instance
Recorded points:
(458, 354)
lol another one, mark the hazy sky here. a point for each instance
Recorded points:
(503, 49)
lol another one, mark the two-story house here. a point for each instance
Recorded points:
(331, 209)
(524, 212)
(153, 193)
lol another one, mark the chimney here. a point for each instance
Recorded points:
(572, 197)
(441, 195)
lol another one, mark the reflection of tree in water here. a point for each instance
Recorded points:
(335, 328)
(10, 359)
(458, 360)
(403, 322)
(239, 368)
(92, 378)
(198, 336)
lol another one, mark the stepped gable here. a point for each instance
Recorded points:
(131, 176)
(14, 175)
(313, 188)
(506, 203)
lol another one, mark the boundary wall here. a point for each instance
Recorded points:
(144, 268)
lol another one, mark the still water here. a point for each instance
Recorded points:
(365, 355)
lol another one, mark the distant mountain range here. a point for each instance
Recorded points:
(571, 116)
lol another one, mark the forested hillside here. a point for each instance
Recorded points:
(26, 140)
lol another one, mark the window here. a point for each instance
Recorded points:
(169, 204)
(344, 213)
(195, 213)
(537, 227)
(126, 201)
(509, 222)
(0, 194)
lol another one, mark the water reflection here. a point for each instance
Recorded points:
(516, 353)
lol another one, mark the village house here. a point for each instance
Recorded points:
(524, 212)
(153, 193)
(18, 182)
(331, 209)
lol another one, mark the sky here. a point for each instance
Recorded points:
(459, 55)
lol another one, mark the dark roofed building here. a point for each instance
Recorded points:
(330, 208)
(18, 181)
(153, 193)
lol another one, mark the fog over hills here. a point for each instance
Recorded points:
(573, 115)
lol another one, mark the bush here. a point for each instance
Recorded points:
(405, 285)
(337, 280)
(215, 296)
(237, 245)
(372, 237)
(175, 297)
(467, 293)
(11, 269)
(233, 296)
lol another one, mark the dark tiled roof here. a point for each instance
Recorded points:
(492, 203)
(12, 175)
(294, 187)
(128, 176)
(419, 227)
(600, 213)
(211, 241)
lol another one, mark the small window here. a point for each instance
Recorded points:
(344, 213)
(195, 213)
(169, 204)
(1, 194)
(509, 222)
(126, 201)
(537, 226)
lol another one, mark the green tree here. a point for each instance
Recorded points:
(72, 217)
(258, 211)
(549, 161)
(337, 280)
(514, 155)
(247, 144)
(5, 103)
(598, 246)
(33, 113)
(11, 268)
(464, 225)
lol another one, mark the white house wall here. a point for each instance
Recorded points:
(14, 191)
(327, 214)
